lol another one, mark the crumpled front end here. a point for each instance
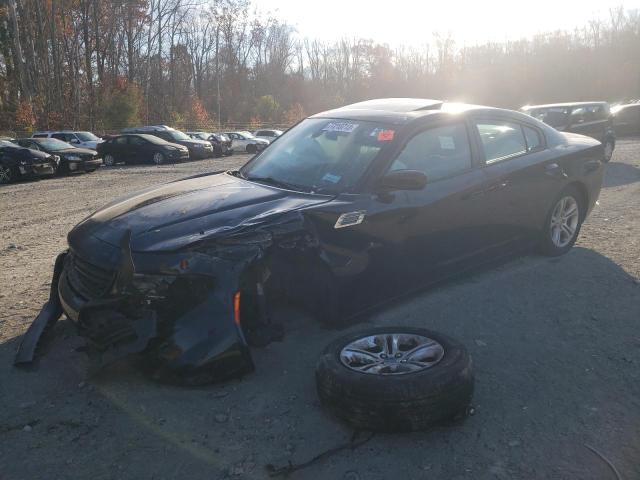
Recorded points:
(181, 309)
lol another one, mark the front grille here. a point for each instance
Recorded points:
(88, 280)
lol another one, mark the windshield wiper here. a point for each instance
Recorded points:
(276, 183)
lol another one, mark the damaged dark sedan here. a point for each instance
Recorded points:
(348, 209)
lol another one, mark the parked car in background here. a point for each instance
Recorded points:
(76, 138)
(268, 135)
(70, 158)
(221, 143)
(586, 118)
(349, 208)
(626, 119)
(197, 148)
(17, 162)
(136, 148)
(244, 141)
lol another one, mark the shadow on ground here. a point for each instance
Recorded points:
(556, 350)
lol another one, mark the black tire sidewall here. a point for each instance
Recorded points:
(390, 403)
(613, 146)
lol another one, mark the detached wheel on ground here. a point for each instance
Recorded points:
(109, 160)
(563, 223)
(158, 158)
(395, 379)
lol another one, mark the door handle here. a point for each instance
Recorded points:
(555, 170)
(493, 188)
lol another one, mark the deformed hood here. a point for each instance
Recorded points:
(174, 215)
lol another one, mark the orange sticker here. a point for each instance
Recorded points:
(386, 135)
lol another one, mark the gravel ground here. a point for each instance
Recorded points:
(555, 343)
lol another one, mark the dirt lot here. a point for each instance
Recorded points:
(555, 342)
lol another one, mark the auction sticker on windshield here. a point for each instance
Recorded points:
(343, 127)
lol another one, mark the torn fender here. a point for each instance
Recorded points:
(46, 319)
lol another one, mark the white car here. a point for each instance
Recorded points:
(268, 134)
(245, 142)
(75, 138)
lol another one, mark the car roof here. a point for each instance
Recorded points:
(400, 111)
(146, 136)
(565, 104)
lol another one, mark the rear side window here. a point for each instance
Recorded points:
(596, 112)
(501, 140)
(438, 152)
(121, 141)
(40, 135)
(533, 139)
(137, 141)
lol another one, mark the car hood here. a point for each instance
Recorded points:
(76, 151)
(92, 144)
(194, 142)
(177, 214)
(27, 154)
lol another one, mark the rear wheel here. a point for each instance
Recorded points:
(109, 160)
(563, 223)
(158, 158)
(251, 148)
(7, 175)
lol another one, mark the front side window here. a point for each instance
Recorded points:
(557, 117)
(321, 155)
(501, 140)
(438, 152)
(121, 140)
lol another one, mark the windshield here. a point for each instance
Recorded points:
(246, 134)
(557, 117)
(320, 155)
(178, 135)
(200, 135)
(7, 143)
(53, 144)
(87, 137)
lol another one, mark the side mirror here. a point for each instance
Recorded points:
(402, 180)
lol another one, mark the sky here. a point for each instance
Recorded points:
(412, 22)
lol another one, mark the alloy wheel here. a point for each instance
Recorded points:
(564, 221)
(109, 161)
(391, 354)
(158, 158)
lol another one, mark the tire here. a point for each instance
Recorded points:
(396, 402)
(609, 146)
(251, 148)
(548, 245)
(158, 158)
(7, 175)
(109, 160)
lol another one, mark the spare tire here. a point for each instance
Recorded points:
(395, 379)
